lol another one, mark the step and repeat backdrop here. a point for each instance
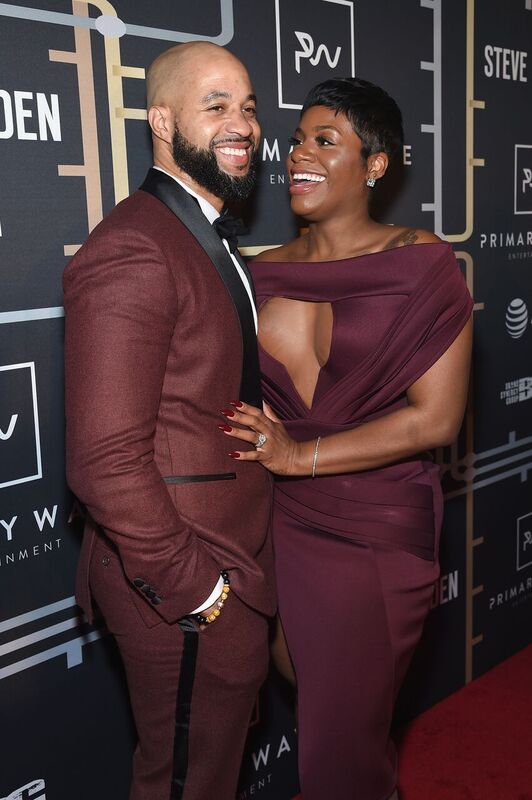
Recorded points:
(73, 142)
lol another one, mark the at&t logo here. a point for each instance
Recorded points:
(516, 318)
(31, 791)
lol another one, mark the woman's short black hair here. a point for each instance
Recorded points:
(373, 114)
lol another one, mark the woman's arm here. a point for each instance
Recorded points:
(436, 404)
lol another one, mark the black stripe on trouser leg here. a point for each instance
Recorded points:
(183, 706)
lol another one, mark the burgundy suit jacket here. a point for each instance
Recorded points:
(154, 348)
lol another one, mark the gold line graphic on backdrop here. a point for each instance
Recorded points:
(462, 470)
(471, 105)
(90, 169)
(471, 542)
(117, 113)
(435, 127)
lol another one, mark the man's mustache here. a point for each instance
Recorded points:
(233, 139)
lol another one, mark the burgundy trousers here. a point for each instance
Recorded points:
(192, 692)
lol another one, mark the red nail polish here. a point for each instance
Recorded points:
(234, 455)
(226, 428)
(237, 403)
(227, 412)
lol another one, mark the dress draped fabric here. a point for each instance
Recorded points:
(364, 541)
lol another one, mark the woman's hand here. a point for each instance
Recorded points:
(279, 453)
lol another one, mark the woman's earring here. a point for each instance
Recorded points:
(371, 181)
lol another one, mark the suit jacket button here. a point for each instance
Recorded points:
(156, 600)
(106, 561)
(139, 582)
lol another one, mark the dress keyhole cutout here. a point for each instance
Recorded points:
(298, 335)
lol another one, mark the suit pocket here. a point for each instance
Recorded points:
(219, 476)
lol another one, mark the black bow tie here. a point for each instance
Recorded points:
(229, 228)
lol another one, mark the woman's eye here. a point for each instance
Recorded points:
(321, 140)
(292, 141)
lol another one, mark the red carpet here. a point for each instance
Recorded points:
(476, 744)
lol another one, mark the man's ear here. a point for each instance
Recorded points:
(161, 122)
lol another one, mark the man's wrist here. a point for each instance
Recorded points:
(212, 598)
(214, 612)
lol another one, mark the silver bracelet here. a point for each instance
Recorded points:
(315, 459)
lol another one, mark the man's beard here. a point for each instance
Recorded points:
(202, 167)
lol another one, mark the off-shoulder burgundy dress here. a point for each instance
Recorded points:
(357, 554)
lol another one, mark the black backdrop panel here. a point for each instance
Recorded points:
(74, 141)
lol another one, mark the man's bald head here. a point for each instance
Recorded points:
(175, 66)
(201, 110)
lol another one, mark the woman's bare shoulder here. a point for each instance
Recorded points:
(406, 235)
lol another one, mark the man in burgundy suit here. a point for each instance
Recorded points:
(160, 336)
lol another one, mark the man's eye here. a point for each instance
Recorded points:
(215, 108)
(251, 110)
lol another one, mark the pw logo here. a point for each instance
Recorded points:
(527, 180)
(307, 43)
(523, 179)
(4, 436)
(524, 542)
(31, 791)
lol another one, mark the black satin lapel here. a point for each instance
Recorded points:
(247, 273)
(186, 209)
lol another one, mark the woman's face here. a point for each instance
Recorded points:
(326, 170)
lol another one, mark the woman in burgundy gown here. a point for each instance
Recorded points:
(365, 337)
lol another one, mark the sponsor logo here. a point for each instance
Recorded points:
(17, 526)
(517, 391)
(262, 759)
(27, 116)
(505, 63)
(253, 788)
(31, 791)
(516, 318)
(524, 542)
(52, 636)
(445, 589)
(505, 239)
(306, 57)
(519, 593)
(523, 179)
(20, 447)
(313, 53)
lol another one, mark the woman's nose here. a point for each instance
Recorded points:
(301, 152)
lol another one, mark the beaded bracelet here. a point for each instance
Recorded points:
(220, 603)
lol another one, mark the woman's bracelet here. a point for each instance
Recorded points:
(219, 604)
(315, 458)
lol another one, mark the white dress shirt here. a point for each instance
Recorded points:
(211, 213)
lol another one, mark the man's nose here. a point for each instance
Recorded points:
(240, 124)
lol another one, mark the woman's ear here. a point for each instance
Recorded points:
(377, 165)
